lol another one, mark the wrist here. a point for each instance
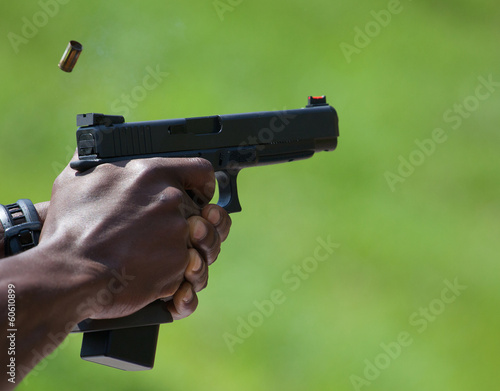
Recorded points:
(54, 283)
(47, 291)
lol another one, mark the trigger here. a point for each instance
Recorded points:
(228, 193)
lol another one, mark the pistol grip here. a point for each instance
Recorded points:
(228, 192)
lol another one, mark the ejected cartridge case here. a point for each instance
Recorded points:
(70, 56)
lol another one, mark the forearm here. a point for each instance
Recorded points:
(40, 294)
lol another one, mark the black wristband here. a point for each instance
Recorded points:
(22, 226)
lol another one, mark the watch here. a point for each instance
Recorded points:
(22, 226)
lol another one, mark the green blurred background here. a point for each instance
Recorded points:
(395, 72)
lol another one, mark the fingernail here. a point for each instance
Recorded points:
(214, 216)
(188, 297)
(200, 230)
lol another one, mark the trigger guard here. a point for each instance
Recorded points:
(228, 192)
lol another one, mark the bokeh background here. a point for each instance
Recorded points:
(408, 217)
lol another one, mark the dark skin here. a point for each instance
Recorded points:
(135, 219)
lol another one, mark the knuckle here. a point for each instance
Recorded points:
(150, 169)
(144, 169)
(212, 254)
(171, 196)
(201, 283)
(191, 307)
(204, 284)
(139, 165)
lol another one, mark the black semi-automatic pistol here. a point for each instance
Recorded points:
(230, 143)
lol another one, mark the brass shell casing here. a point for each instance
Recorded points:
(70, 56)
